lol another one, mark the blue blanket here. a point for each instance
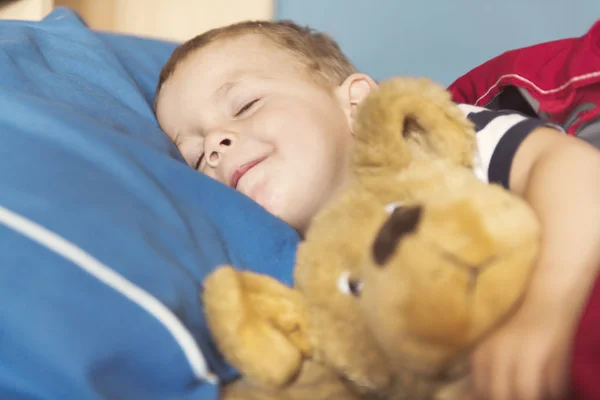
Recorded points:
(105, 233)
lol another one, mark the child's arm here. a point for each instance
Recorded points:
(529, 357)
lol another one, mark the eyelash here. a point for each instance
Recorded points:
(199, 161)
(246, 107)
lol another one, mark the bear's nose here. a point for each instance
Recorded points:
(403, 221)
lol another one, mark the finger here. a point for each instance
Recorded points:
(469, 396)
(490, 373)
(467, 393)
(479, 374)
(558, 387)
(501, 374)
(513, 372)
(529, 375)
(557, 375)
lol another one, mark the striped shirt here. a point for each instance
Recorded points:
(499, 134)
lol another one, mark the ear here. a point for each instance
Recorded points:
(352, 92)
(258, 323)
(410, 110)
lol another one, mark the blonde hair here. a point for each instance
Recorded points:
(316, 51)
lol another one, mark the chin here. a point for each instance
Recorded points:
(290, 218)
(271, 206)
(299, 224)
(283, 207)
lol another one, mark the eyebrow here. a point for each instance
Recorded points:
(233, 81)
(224, 89)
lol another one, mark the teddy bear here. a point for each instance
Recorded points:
(396, 280)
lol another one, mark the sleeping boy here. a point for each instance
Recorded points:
(267, 107)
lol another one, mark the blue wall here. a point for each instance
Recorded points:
(441, 39)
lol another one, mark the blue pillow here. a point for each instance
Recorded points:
(105, 233)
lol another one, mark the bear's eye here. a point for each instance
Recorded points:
(391, 207)
(350, 286)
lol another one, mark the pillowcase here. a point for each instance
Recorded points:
(105, 233)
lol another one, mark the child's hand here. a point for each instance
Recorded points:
(528, 358)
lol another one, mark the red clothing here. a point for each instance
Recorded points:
(560, 75)
(561, 81)
(585, 367)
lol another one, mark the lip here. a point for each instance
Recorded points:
(241, 171)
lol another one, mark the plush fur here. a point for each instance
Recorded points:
(396, 280)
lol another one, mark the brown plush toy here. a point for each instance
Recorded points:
(396, 280)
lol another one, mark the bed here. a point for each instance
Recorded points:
(105, 233)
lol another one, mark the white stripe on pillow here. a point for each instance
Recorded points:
(88, 263)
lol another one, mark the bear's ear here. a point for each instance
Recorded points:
(403, 115)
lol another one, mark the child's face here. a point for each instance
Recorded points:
(245, 113)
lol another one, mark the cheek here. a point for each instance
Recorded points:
(191, 150)
(311, 132)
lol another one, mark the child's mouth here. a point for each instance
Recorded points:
(241, 171)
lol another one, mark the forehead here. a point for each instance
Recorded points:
(221, 63)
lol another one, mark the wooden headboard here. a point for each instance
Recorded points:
(175, 19)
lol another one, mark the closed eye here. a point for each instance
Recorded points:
(245, 108)
(199, 161)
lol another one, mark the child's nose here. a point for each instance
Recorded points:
(216, 145)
